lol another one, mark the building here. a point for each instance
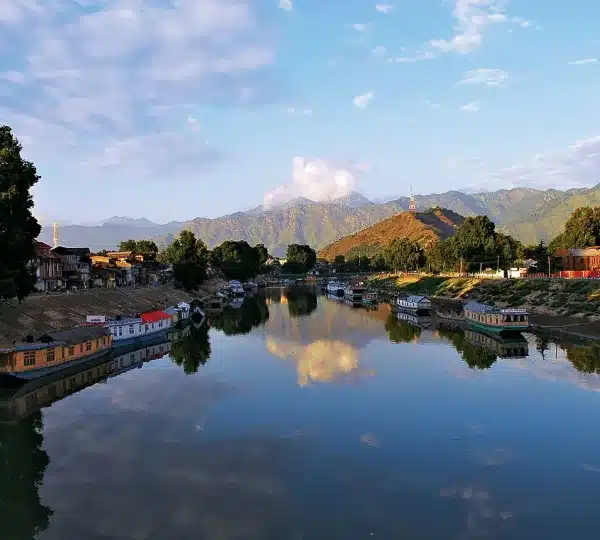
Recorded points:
(48, 268)
(76, 265)
(573, 259)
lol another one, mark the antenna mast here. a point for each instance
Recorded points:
(412, 207)
(55, 234)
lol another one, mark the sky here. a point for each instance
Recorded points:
(175, 109)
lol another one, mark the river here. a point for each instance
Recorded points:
(296, 417)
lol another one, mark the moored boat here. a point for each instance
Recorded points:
(495, 319)
(128, 330)
(250, 286)
(370, 297)
(354, 292)
(414, 304)
(235, 288)
(55, 351)
(335, 288)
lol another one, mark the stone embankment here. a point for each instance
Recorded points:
(41, 313)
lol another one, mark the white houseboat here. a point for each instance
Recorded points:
(235, 288)
(495, 319)
(128, 330)
(414, 303)
(335, 288)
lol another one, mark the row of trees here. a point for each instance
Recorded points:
(476, 245)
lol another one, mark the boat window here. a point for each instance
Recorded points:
(131, 329)
(50, 355)
(71, 351)
(29, 358)
(88, 346)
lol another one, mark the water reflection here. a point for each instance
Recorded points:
(238, 452)
(301, 301)
(23, 462)
(251, 313)
(192, 350)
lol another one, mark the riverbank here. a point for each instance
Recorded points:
(41, 313)
(570, 307)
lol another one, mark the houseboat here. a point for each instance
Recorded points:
(450, 311)
(55, 351)
(335, 288)
(512, 345)
(354, 292)
(414, 303)
(369, 297)
(30, 396)
(250, 286)
(235, 288)
(128, 330)
(414, 319)
(495, 319)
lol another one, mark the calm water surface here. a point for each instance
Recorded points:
(297, 417)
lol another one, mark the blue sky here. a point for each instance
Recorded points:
(173, 109)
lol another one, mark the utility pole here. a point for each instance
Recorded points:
(461, 266)
(498, 263)
(549, 269)
(481, 268)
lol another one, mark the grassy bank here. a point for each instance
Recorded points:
(554, 297)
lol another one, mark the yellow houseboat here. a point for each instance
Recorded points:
(495, 319)
(55, 351)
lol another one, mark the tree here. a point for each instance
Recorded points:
(339, 263)
(147, 248)
(302, 255)
(441, 256)
(189, 257)
(403, 254)
(263, 256)
(582, 230)
(301, 302)
(128, 245)
(18, 227)
(237, 260)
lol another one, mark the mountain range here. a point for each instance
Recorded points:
(528, 214)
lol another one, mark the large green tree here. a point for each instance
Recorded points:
(403, 254)
(301, 256)
(189, 257)
(18, 227)
(582, 230)
(237, 260)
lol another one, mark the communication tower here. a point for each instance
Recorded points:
(55, 234)
(412, 206)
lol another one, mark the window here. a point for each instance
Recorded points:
(29, 358)
(132, 358)
(88, 346)
(160, 324)
(97, 343)
(71, 351)
(131, 328)
(50, 355)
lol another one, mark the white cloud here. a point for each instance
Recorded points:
(576, 166)
(584, 61)
(473, 18)
(380, 50)
(295, 110)
(286, 4)
(489, 77)
(316, 180)
(384, 8)
(473, 106)
(85, 82)
(425, 55)
(359, 27)
(362, 101)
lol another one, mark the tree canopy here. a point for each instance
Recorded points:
(238, 260)
(189, 257)
(147, 248)
(403, 254)
(581, 230)
(300, 258)
(18, 226)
